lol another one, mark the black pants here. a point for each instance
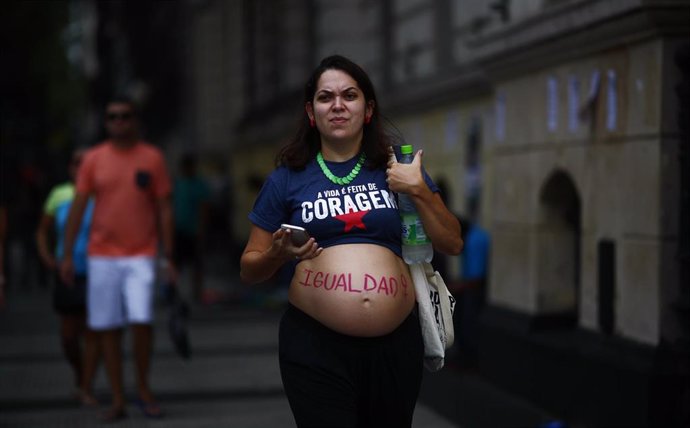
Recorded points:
(70, 299)
(467, 327)
(186, 250)
(334, 380)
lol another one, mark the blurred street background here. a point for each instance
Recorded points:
(559, 128)
(232, 378)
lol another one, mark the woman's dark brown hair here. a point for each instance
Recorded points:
(307, 142)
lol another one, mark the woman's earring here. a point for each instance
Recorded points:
(367, 119)
(311, 122)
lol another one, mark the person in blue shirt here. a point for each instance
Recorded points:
(350, 346)
(470, 292)
(69, 301)
(190, 206)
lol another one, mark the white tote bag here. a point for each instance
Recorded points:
(435, 307)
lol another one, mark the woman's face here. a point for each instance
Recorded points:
(339, 108)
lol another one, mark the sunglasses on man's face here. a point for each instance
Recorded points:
(121, 116)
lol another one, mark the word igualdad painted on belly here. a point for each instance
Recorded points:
(334, 281)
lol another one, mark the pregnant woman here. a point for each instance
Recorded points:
(350, 345)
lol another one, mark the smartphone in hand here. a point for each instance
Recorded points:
(299, 235)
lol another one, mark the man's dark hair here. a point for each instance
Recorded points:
(121, 99)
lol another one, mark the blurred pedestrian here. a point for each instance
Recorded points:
(350, 346)
(470, 292)
(129, 181)
(69, 301)
(8, 187)
(3, 244)
(25, 212)
(191, 206)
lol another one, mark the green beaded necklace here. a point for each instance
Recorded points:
(341, 180)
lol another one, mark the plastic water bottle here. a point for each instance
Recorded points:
(416, 246)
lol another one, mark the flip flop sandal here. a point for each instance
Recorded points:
(150, 410)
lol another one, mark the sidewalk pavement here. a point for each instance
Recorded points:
(232, 378)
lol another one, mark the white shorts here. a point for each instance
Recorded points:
(120, 291)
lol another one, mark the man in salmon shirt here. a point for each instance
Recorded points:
(132, 190)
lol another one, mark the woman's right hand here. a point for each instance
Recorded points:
(282, 247)
(266, 252)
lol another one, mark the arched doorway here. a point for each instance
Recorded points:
(558, 263)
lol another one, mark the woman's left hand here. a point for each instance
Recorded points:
(405, 178)
(439, 223)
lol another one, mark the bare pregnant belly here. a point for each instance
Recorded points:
(355, 289)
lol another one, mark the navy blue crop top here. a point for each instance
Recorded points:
(364, 211)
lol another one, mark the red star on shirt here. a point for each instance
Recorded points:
(353, 219)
